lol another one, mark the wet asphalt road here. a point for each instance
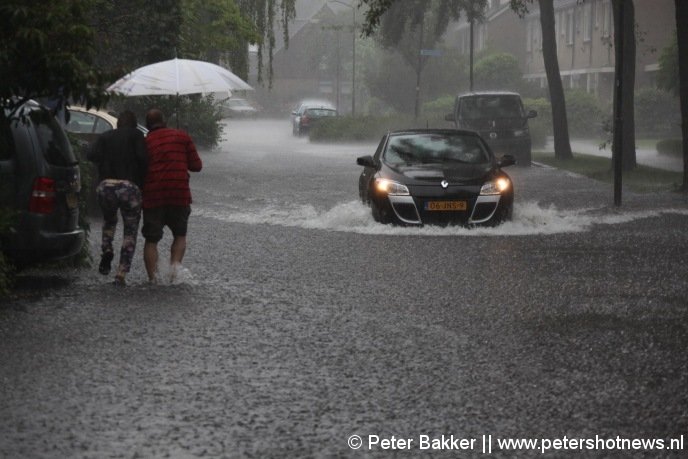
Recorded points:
(299, 323)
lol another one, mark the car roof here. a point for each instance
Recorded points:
(434, 131)
(107, 115)
(25, 107)
(315, 103)
(489, 93)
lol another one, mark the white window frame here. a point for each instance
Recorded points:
(569, 27)
(587, 22)
(607, 22)
(529, 36)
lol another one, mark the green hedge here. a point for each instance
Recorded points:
(364, 128)
(441, 106)
(540, 126)
(584, 113)
(673, 147)
(657, 113)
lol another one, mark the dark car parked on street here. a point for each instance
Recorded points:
(87, 124)
(499, 118)
(313, 116)
(436, 176)
(39, 184)
(302, 119)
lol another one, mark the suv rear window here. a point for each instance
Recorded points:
(320, 112)
(52, 139)
(491, 106)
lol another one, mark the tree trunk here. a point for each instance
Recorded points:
(628, 77)
(682, 36)
(560, 125)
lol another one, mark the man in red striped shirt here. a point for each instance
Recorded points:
(166, 192)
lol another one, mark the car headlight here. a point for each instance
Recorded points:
(390, 187)
(520, 132)
(496, 186)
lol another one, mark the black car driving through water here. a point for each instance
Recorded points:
(436, 176)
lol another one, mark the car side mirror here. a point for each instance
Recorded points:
(449, 117)
(506, 160)
(532, 114)
(294, 113)
(366, 161)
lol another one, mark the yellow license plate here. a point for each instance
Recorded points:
(72, 200)
(445, 205)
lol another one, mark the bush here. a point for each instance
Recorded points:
(584, 114)
(198, 115)
(364, 128)
(498, 71)
(657, 113)
(540, 126)
(673, 147)
(441, 106)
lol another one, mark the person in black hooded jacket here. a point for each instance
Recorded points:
(122, 162)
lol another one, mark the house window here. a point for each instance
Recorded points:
(569, 27)
(529, 37)
(587, 22)
(607, 23)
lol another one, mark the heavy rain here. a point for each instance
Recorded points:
(393, 247)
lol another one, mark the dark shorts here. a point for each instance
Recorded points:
(176, 218)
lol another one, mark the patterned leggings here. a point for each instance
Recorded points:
(124, 196)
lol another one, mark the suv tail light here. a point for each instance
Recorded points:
(42, 196)
(304, 119)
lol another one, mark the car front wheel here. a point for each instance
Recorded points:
(380, 215)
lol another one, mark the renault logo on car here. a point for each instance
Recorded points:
(444, 184)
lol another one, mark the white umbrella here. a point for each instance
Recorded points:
(177, 77)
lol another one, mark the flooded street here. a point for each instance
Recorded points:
(298, 322)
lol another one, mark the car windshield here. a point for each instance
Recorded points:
(491, 106)
(407, 149)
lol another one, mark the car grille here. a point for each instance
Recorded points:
(484, 210)
(411, 210)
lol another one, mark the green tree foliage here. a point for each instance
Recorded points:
(213, 28)
(498, 71)
(657, 113)
(379, 11)
(133, 33)
(263, 14)
(413, 25)
(400, 27)
(45, 50)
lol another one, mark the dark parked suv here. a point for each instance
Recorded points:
(39, 183)
(500, 120)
